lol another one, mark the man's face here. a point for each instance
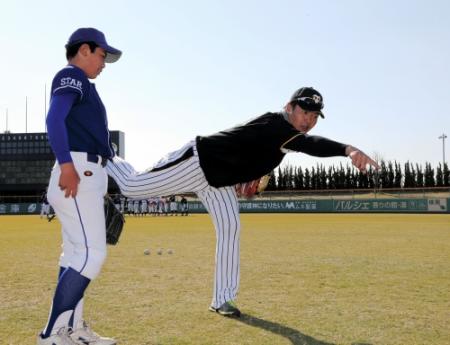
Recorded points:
(302, 120)
(95, 62)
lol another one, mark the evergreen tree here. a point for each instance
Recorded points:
(355, 178)
(413, 176)
(432, 179)
(439, 176)
(429, 176)
(307, 179)
(280, 180)
(289, 177)
(272, 185)
(376, 178)
(341, 177)
(317, 177)
(313, 179)
(446, 174)
(419, 176)
(300, 178)
(383, 176)
(372, 177)
(390, 176)
(348, 178)
(295, 179)
(426, 176)
(323, 178)
(408, 183)
(398, 175)
(363, 180)
(331, 176)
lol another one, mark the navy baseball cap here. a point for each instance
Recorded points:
(308, 98)
(93, 35)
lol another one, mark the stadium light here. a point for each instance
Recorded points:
(26, 114)
(443, 137)
(6, 121)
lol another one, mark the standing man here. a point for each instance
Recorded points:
(184, 206)
(211, 166)
(144, 207)
(122, 204)
(136, 209)
(129, 206)
(173, 205)
(45, 206)
(79, 136)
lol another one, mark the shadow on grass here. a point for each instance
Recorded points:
(296, 337)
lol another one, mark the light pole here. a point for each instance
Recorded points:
(45, 107)
(26, 114)
(443, 137)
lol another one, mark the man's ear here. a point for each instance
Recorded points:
(289, 108)
(84, 50)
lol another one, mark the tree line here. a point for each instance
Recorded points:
(391, 175)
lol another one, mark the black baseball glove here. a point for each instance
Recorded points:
(114, 221)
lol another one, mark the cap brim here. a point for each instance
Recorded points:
(112, 54)
(321, 115)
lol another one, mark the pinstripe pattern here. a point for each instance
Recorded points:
(222, 205)
(175, 175)
(183, 177)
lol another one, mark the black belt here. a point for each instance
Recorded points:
(96, 159)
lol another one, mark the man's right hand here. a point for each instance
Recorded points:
(360, 159)
(69, 179)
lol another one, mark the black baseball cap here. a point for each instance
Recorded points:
(93, 35)
(308, 98)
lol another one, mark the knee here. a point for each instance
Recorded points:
(94, 261)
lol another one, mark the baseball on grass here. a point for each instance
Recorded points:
(147, 252)
(169, 251)
(160, 252)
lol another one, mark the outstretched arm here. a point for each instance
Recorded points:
(323, 147)
(359, 159)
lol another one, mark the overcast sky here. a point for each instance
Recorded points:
(196, 67)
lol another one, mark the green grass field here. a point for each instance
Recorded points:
(305, 279)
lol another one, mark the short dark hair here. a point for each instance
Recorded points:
(72, 50)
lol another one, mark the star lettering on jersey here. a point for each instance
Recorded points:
(68, 81)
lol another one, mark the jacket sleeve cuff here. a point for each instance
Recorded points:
(64, 157)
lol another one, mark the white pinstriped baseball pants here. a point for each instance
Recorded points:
(180, 172)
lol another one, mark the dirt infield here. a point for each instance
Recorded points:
(316, 279)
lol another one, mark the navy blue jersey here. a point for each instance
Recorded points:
(85, 123)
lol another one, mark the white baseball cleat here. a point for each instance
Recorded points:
(60, 338)
(83, 335)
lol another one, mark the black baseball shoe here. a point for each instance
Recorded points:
(227, 309)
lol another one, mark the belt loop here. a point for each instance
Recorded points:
(97, 159)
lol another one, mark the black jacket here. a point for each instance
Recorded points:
(249, 151)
